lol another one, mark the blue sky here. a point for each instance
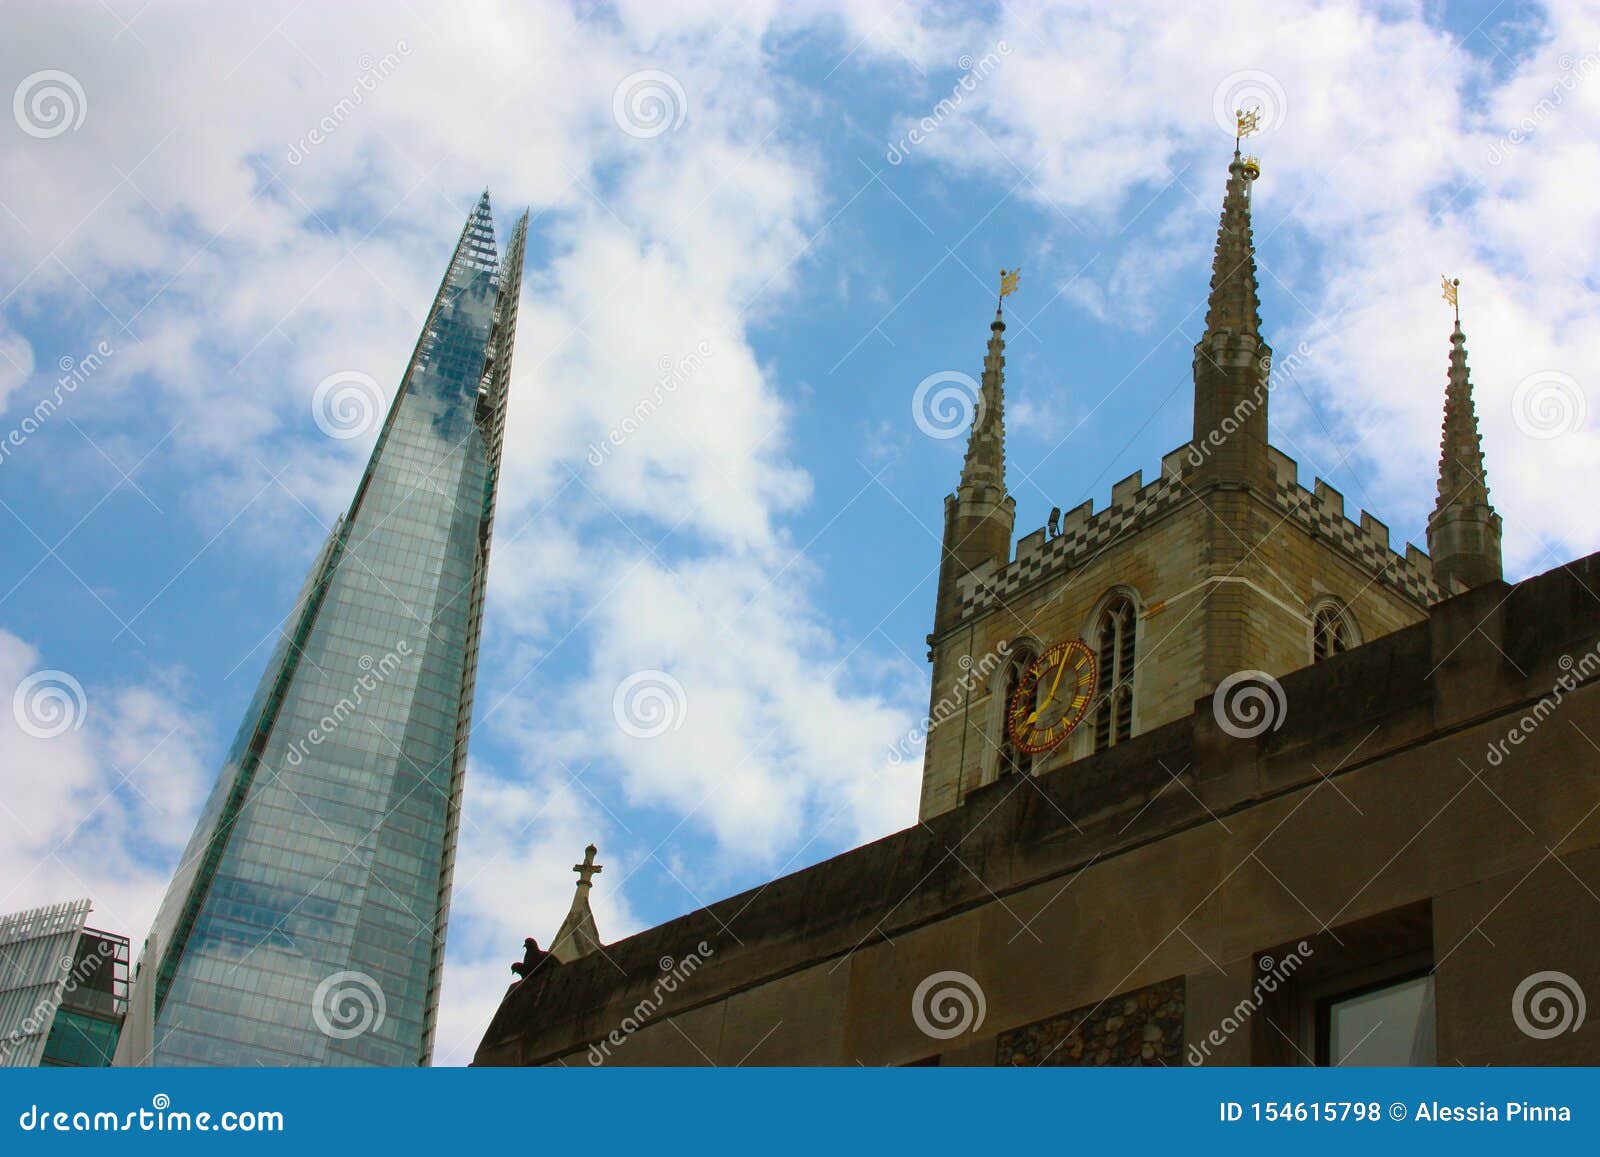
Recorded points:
(767, 537)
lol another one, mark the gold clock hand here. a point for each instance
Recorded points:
(1060, 670)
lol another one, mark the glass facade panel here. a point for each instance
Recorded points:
(306, 921)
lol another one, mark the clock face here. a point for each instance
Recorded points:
(1052, 697)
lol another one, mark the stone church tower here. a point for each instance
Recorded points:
(1223, 568)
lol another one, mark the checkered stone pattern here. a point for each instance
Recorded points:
(1074, 547)
(1394, 569)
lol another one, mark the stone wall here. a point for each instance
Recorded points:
(1143, 1027)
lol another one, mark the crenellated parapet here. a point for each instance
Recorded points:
(1083, 535)
(1320, 511)
(1135, 504)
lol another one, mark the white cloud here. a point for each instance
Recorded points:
(1379, 164)
(100, 786)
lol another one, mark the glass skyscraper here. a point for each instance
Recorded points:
(306, 921)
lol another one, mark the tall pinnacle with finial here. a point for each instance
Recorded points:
(578, 935)
(1231, 361)
(1463, 530)
(983, 474)
(979, 516)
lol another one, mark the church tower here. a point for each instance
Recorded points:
(1105, 624)
(1463, 530)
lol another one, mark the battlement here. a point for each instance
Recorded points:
(1085, 532)
(1320, 510)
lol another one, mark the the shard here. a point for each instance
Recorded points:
(306, 921)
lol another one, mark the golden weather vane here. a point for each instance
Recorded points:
(1452, 293)
(1008, 280)
(1246, 124)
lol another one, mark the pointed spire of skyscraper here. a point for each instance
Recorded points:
(284, 916)
(1463, 530)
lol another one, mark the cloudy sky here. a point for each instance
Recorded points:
(205, 213)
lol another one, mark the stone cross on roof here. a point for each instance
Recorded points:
(588, 869)
(578, 935)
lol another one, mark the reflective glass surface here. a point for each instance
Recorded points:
(305, 924)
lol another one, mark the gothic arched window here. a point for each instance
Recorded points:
(1115, 633)
(1330, 632)
(1012, 761)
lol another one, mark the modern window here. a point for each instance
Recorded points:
(1390, 1024)
(1358, 995)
